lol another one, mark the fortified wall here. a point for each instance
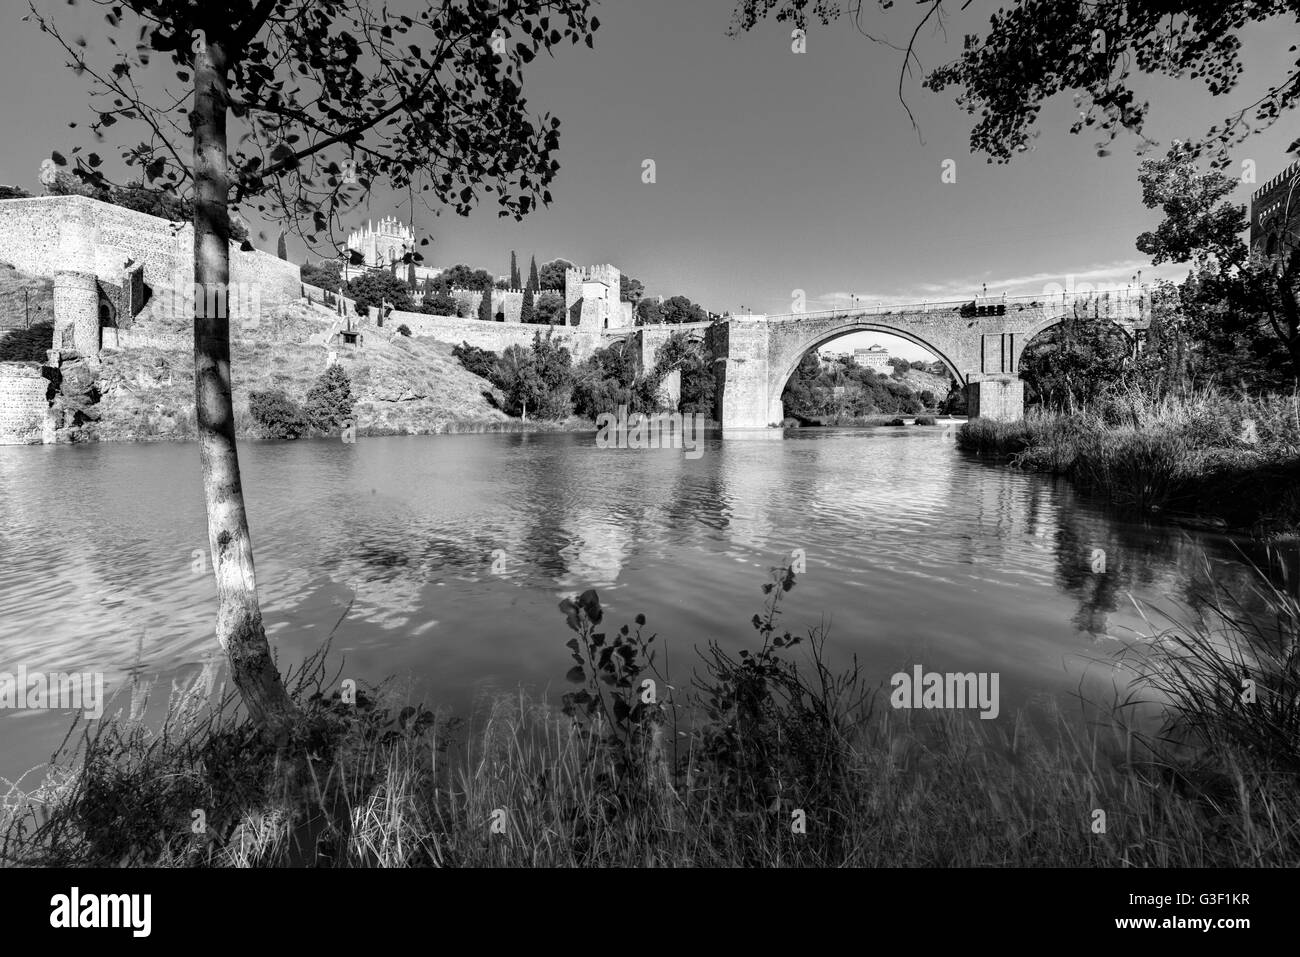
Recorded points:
(494, 336)
(44, 235)
(507, 303)
(102, 260)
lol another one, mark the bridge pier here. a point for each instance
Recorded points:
(996, 397)
(744, 402)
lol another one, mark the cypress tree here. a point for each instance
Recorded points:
(281, 248)
(526, 310)
(533, 282)
(514, 271)
(410, 277)
(485, 306)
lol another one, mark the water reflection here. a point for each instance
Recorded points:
(915, 554)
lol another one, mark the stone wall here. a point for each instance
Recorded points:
(40, 235)
(22, 402)
(494, 336)
(507, 302)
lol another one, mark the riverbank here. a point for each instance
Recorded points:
(776, 762)
(1207, 457)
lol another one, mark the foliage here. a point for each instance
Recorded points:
(481, 362)
(278, 415)
(439, 304)
(549, 308)
(676, 309)
(849, 391)
(461, 276)
(1238, 312)
(551, 275)
(1196, 452)
(534, 283)
(515, 281)
(1068, 366)
(608, 380)
(404, 330)
(537, 381)
(699, 381)
(329, 401)
(485, 306)
(298, 92)
(526, 308)
(1105, 53)
(376, 287)
(327, 274)
(629, 289)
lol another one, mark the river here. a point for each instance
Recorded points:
(453, 552)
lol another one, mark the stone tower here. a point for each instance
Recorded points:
(1275, 211)
(76, 290)
(591, 297)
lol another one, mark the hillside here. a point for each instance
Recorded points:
(401, 385)
(25, 301)
(919, 381)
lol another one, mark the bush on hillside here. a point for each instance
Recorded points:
(329, 401)
(278, 415)
(403, 330)
(481, 362)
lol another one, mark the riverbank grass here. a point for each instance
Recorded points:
(1235, 459)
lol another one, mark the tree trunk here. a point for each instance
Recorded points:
(239, 618)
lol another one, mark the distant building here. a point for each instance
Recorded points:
(874, 357)
(383, 247)
(1275, 213)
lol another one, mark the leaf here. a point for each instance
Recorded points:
(58, 158)
(577, 675)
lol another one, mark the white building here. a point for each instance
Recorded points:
(384, 246)
(874, 357)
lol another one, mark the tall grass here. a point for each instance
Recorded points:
(1237, 458)
(718, 776)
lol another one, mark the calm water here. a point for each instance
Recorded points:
(915, 555)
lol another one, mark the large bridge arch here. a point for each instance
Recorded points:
(782, 373)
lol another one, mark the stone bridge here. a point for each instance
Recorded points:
(980, 342)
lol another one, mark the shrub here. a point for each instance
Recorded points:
(403, 330)
(329, 401)
(481, 362)
(925, 420)
(376, 287)
(549, 308)
(439, 304)
(277, 414)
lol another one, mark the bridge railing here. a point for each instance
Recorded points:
(1114, 298)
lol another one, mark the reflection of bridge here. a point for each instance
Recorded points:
(980, 342)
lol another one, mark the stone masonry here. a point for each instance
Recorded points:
(981, 348)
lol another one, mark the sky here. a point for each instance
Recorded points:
(775, 172)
